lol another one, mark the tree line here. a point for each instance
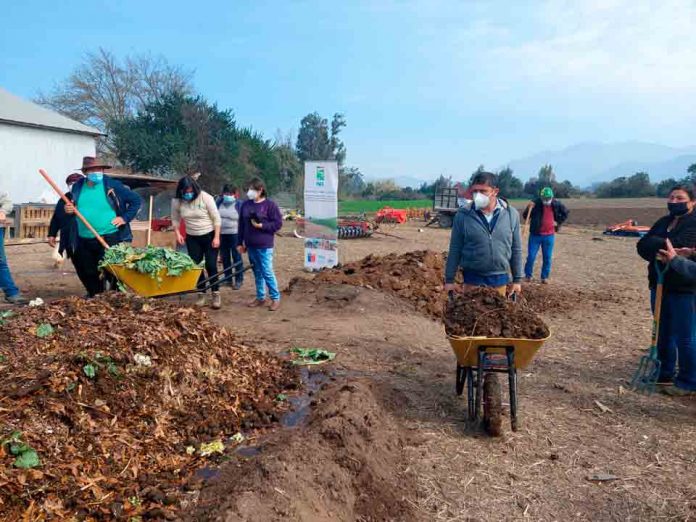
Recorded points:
(639, 185)
(155, 122)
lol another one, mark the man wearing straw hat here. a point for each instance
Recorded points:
(109, 206)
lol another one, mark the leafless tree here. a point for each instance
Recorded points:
(103, 88)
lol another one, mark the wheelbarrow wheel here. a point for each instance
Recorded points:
(492, 405)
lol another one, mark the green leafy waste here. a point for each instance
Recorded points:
(150, 260)
(27, 457)
(44, 330)
(312, 356)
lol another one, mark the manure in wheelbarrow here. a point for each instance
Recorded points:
(484, 312)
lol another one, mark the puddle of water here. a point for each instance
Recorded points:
(207, 473)
(248, 451)
(301, 404)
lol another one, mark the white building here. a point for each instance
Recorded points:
(32, 137)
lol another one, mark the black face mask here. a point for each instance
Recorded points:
(677, 209)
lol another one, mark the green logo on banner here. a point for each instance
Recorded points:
(321, 177)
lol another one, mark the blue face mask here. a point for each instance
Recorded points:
(95, 177)
(228, 199)
(188, 196)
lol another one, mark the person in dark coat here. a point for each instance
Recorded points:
(676, 346)
(547, 216)
(64, 223)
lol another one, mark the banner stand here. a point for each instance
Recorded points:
(321, 214)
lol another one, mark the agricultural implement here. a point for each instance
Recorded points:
(347, 228)
(648, 371)
(629, 228)
(479, 361)
(388, 215)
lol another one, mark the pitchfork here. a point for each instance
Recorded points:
(648, 371)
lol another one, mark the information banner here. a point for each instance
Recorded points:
(321, 214)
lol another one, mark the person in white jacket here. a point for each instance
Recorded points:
(12, 293)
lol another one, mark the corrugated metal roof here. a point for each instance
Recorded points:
(16, 111)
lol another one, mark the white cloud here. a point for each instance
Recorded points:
(628, 47)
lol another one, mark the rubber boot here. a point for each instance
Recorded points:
(217, 301)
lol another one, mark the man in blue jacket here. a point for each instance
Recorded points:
(486, 241)
(109, 206)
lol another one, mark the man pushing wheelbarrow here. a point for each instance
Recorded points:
(487, 246)
(486, 241)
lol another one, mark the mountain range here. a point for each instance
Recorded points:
(590, 163)
(587, 164)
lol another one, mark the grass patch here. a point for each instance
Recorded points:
(355, 206)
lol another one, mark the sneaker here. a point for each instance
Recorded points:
(257, 302)
(201, 301)
(275, 304)
(544, 281)
(673, 391)
(237, 286)
(527, 279)
(17, 299)
(217, 301)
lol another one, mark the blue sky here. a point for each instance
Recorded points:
(427, 87)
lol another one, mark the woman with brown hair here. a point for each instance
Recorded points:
(259, 220)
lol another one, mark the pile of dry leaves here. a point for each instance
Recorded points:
(484, 312)
(108, 406)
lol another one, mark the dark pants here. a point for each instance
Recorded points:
(199, 248)
(228, 252)
(676, 345)
(86, 258)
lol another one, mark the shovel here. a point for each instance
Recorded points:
(648, 371)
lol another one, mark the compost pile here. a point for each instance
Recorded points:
(484, 312)
(415, 276)
(108, 406)
(150, 260)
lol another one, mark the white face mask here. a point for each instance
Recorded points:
(547, 202)
(252, 194)
(481, 201)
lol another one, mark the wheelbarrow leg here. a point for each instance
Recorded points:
(479, 381)
(512, 378)
(470, 392)
(461, 379)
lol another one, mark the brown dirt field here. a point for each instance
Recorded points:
(603, 212)
(395, 444)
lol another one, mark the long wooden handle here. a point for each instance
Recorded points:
(77, 212)
(149, 221)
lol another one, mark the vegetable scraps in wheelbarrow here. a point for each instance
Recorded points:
(483, 312)
(150, 260)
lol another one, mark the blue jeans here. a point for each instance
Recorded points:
(262, 259)
(677, 339)
(6, 282)
(546, 244)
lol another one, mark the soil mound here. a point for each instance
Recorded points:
(418, 278)
(346, 464)
(484, 312)
(415, 276)
(117, 397)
